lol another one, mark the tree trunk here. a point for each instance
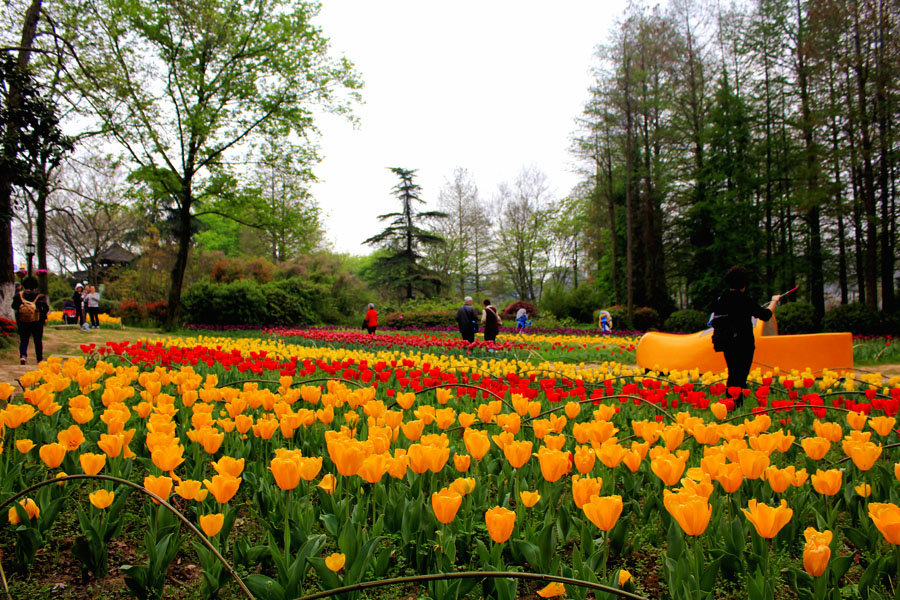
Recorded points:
(882, 110)
(184, 245)
(14, 98)
(629, 208)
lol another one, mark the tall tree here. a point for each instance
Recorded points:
(181, 85)
(401, 265)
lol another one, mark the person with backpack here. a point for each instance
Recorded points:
(467, 319)
(491, 321)
(733, 328)
(31, 308)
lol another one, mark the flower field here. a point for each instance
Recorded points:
(297, 469)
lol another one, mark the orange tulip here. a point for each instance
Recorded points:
(863, 489)
(584, 459)
(92, 463)
(335, 562)
(374, 467)
(71, 438)
(856, 420)
(719, 410)
(554, 463)
(768, 520)
(730, 477)
(52, 454)
(529, 499)
(817, 551)
(572, 409)
(30, 507)
(864, 455)
(223, 487)
(309, 467)
(212, 524)
(24, 445)
(753, 463)
(462, 462)
(692, 511)
(632, 460)
(827, 483)
(816, 448)
(603, 511)
(552, 590)
(668, 467)
(445, 504)
(897, 470)
(477, 443)
(161, 485)
(517, 453)
(500, 523)
(229, 466)
(102, 498)
(800, 477)
(828, 430)
(780, 479)
(611, 453)
(882, 425)
(286, 472)
(347, 455)
(167, 458)
(585, 487)
(886, 517)
(190, 489)
(413, 429)
(328, 482)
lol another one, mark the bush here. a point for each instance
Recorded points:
(131, 313)
(857, 318)
(288, 302)
(686, 321)
(421, 319)
(577, 305)
(511, 310)
(156, 312)
(796, 317)
(646, 318)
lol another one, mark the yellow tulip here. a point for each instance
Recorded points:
(768, 520)
(624, 577)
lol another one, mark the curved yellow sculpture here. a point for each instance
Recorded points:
(817, 351)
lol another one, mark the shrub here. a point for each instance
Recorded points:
(796, 317)
(156, 312)
(420, 319)
(576, 304)
(686, 321)
(131, 312)
(646, 318)
(857, 318)
(511, 310)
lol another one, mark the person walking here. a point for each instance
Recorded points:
(78, 299)
(467, 319)
(734, 308)
(491, 321)
(92, 306)
(31, 308)
(370, 321)
(522, 320)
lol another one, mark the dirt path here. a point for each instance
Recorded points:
(64, 341)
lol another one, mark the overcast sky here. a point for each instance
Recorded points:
(491, 86)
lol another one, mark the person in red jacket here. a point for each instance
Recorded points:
(371, 319)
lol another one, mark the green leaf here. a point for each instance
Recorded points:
(264, 588)
(674, 541)
(840, 566)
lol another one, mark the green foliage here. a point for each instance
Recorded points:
(620, 320)
(796, 317)
(646, 318)
(576, 304)
(686, 321)
(421, 318)
(400, 267)
(856, 318)
(58, 290)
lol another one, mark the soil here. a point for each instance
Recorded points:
(64, 340)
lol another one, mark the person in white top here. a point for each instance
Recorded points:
(92, 303)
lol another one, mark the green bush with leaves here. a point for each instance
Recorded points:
(796, 317)
(857, 318)
(578, 304)
(421, 318)
(686, 321)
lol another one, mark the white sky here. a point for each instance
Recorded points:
(488, 85)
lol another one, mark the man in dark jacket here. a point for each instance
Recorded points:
(467, 319)
(78, 299)
(740, 308)
(31, 308)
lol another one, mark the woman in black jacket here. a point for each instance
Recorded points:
(739, 307)
(31, 308)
